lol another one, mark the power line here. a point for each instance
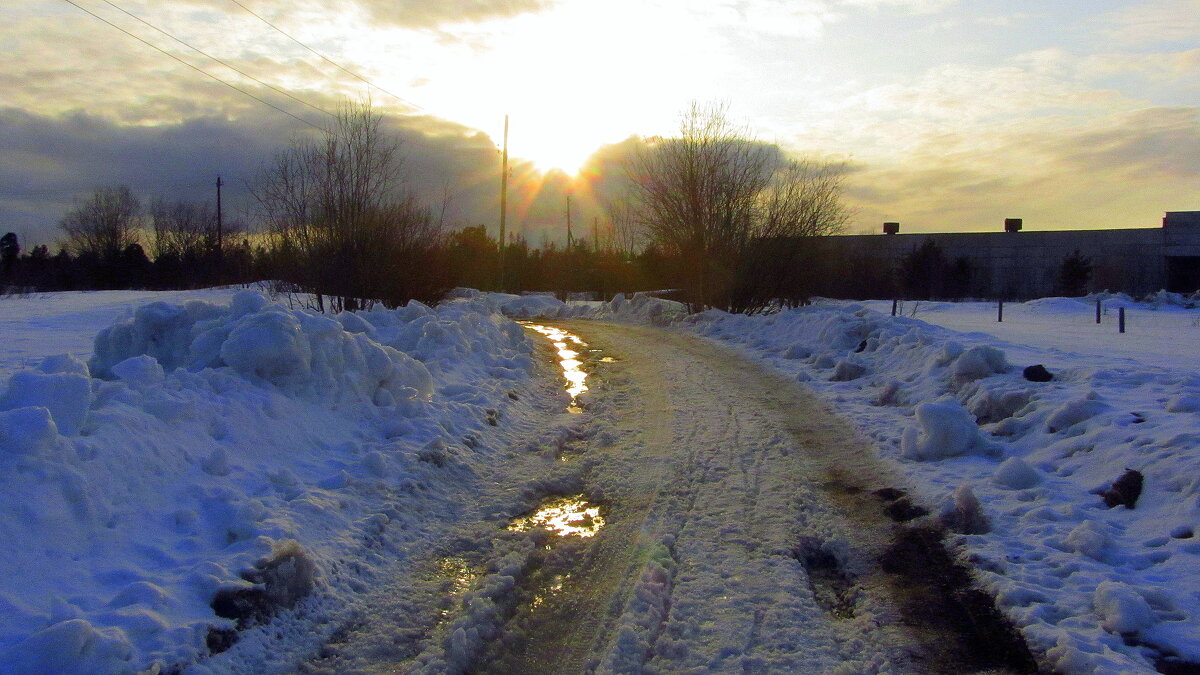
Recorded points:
(193, 67)
(326, 58)
(227, 65)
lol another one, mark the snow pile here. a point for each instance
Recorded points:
(302, 354)
(944, 429)
(638, 308)
(218, 461)
(1021, 466)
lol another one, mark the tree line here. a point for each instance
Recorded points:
(721, 218)
(710, 214)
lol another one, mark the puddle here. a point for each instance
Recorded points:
(568, 358)
(564, 516)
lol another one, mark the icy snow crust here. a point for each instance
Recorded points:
(198, 439)
(1092, 589)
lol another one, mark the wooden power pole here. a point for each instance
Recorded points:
(503, 198)
(220, 233)
(570, 239)
(504, 182)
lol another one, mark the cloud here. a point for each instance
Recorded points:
(1117, 170)
(969, 95)
(426, 14)
(913, 6)
(47, 161)
(1179, 68)
(1153, 22)
(1148, 144)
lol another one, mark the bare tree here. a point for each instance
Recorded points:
(731, 211)
(623, 236)
(337, 212)
(695, 197)
(801, 204)
(104, 224)
(183, 229)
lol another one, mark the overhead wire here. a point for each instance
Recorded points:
(326, 58)
(193, 67)
(227, 65)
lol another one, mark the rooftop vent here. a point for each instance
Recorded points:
(891, 228)
(1012, 224)
(1181, 218)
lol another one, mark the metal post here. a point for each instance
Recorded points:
(1097, 311)
(894, 302)
(1121, 319)
(1000, 311)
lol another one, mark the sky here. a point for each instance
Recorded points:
(950, 115)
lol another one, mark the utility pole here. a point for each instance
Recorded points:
(503, 198)
(220, 233)
(570, 240)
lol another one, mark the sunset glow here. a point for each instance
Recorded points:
(953, 115)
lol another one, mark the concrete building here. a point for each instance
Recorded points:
(1020, 264)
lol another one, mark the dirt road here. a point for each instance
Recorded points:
(743, 535)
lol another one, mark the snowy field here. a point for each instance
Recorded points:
(153, 456)
(66, 323)
(1158, 333)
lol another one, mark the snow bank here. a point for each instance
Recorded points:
(1093, 589)
(202, 439)
(640, 307)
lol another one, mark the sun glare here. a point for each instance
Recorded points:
(552, 144)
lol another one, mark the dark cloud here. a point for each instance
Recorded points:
(1156, 141)
(47, 161)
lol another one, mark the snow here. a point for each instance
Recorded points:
(1067, 326)
(942, 396)
(944, 429)
(44, 324)
(205, 435)
(157, 449)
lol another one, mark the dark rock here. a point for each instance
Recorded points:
(889, 494)
(220, 639)
(1125, 490)
(432, 456)
(861, 347)
(1038, 373)
(903, 510)
(279, 583)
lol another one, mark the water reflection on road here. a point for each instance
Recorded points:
(568, 358)
(564, 516)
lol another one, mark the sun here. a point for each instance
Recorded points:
(551, 142)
